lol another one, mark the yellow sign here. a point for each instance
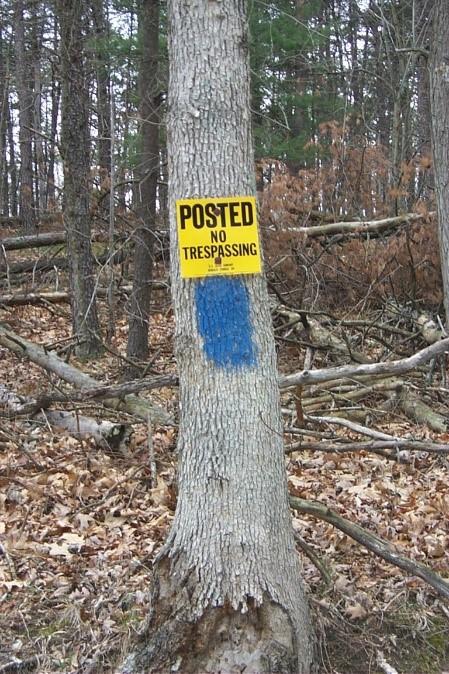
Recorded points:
(218, 236)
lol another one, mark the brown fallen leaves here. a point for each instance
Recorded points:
(80, 526)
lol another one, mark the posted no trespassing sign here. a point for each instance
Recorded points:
(218, 236)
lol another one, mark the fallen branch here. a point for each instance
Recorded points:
(20, 299)
(33, 241)
(360, 226)
(316, 561)
(418, 411)
(100, 391)
(47, 264)
(105, 433)
(374, 543)
(18, 666)
(51, 362)
(319, 335)
(94, 390)
(353, 426)
(393, 367)
(368, 446)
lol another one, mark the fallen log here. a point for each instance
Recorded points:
(20, 299)
(374, 543)
(360, 226)
(106, 434)
(47, 264)
(353, 395)
(41, 239)
(345, 372)
(319, 336)
(417, 410)
(52, 363)
(33, 241)
(368, 446)
(10, 221)
(393, 367)
(100, 392)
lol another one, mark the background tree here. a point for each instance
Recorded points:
(146, 174)
(24, 74)
(75, 150)
(101, 59)
(439, 93)
(4, 106)
(228, 583)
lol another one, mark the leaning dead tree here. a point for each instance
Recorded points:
(51, 362)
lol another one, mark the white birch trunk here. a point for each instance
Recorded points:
(228, 592)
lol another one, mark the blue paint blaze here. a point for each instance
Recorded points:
(223, 316)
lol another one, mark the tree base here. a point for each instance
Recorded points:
(221, 640)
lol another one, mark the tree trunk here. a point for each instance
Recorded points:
(103, 100)
(75, 150)
(228, 595)
(12, 164)
(439, 100)
(147, 173)
(423, 129)
(51, 145)
(36, 57)
(25, 96)
(4, 76)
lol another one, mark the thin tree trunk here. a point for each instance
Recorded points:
(103, 99)
(228, 594)
(439, 100)
(41, 172)
(4, 75)
(75, 149)
(423, 125)
(146, 190)
(51, 146)
(12, 165)
(25, 96)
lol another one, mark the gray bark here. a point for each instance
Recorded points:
(228, 595)
(146, 191)
(12, 164)
(103, 101)
(36, 59)
(4, 76)
(25, 96)
(75, 149)
(439, 100)
(423, 128)
(51, 145)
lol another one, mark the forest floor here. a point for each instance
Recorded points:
(81, 525)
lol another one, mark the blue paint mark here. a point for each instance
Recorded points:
(224, 323)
